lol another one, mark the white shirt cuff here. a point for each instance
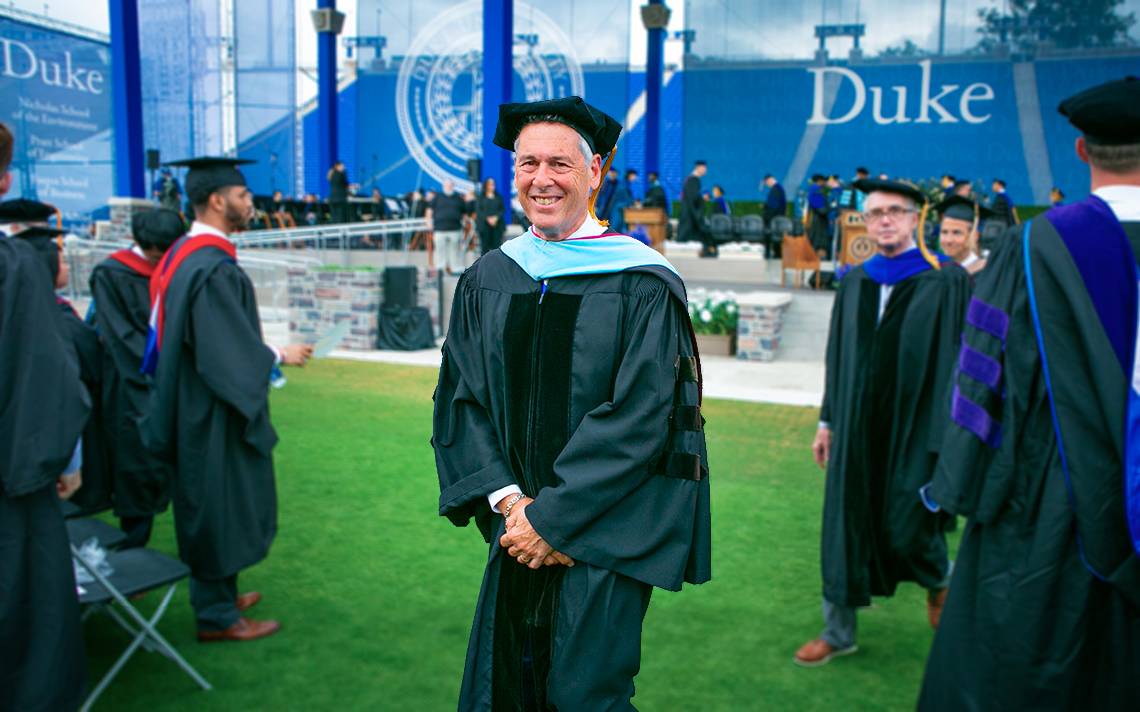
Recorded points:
(495, 497)
(277, 358)
(825, 424)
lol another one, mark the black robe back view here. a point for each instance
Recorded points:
(45, 407)
(1028, 625)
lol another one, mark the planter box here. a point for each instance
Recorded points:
(716, 344)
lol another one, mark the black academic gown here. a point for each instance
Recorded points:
(588, 400)
(42, 661)
(886, 387)
(691, 225)
(98, 485)
(208, 416)
(122, 310)
(1026, 625)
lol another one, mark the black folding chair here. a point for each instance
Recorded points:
(134, 571)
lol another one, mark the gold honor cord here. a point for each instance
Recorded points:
(922, 240)
(594, 197)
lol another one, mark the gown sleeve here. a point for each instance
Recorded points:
(988, 393)
(229, 353)
(834, 341)
(468, 455)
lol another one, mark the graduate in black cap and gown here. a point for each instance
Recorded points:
(45, 406)
(958, 231)
(80, 338)
(120, 289)
(568, 426)
(208, 414)
(890, 353)
(1043, 452)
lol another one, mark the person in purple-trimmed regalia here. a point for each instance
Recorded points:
(1043, 455)
(890, 348)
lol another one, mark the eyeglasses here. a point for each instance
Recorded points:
(894, 213)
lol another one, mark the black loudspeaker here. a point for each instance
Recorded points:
(400, 287)
(474, 169)
(153, 162)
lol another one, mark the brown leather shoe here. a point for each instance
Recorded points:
(935, 601)
(244, 629)
(819, 652)
(247, 601)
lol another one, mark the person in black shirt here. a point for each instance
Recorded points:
(445, 217)
(338, 193)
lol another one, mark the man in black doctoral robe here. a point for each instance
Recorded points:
(120, 288)
(568, 426)
(1042, 455)
(890, 351)
(208, 414)
(691, 225)
(42, 661)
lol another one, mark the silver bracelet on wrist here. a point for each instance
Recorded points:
(511, 504)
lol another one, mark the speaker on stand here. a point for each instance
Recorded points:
(153, 163)
(403, 325)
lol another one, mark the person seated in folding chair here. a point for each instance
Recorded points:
(42, 663)
(208, 413)
(120, 287)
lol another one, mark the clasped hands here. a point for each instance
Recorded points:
(522, 542)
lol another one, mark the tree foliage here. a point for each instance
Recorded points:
(1064, 23)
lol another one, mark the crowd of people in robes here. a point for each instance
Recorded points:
(568, 426)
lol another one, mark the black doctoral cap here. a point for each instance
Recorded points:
(45, 240)
(157, 228)
(1107, 114)
(898, 187)
(958, 208)
(959, 182)
(598, 128)
(22, 210)
(210, 174)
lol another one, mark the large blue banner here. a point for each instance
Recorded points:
(917, 119)
(57, 101)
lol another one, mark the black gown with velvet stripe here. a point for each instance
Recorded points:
(45, 407)
(208, 416)
(1027, 625)
(885, 395)
(587, 398)
(122, 310)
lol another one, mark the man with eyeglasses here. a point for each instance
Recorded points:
(890, 353)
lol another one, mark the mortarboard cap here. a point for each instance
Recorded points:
(210, 174)
(157, 228)
(600, 130)
(958, 208)
(45, 241)
(898, 187)
(22, 210)
(1107, 114)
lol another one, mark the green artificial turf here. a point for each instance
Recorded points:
(376, 592)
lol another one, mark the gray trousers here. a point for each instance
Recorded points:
(839, 621)
(214, 602)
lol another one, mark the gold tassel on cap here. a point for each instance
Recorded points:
(594, 197)
(926, 254)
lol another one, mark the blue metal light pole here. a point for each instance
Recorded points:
(328, 23)
(126, 99)
(498, 75)
(655, 22)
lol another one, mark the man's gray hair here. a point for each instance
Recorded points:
(583, 145)
(1115, 159)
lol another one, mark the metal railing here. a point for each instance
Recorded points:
(338, 237)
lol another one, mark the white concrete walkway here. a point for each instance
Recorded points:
(782, 382)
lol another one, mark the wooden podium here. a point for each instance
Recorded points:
(856, 245)
(654, 221)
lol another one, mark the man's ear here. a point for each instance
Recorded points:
(5, 182)
(595, 172)
(1082, 149)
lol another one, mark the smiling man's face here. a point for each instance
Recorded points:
(554, 179)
